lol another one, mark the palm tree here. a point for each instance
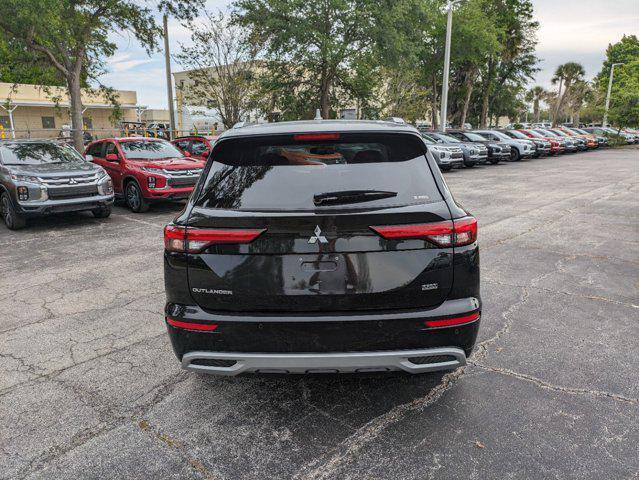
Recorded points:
(566, 75)
(580, 92)
(536, 95)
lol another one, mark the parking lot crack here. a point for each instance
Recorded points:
(481, 349)
(556, 388)
(342, 454)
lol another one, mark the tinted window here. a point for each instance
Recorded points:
(183, 144)
(110, 148)
(36, 154)
(278, 173)
(198, 147)
(95, 149)
(149, 150)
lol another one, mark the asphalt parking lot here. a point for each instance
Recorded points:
(89, 387)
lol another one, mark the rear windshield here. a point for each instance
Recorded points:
(353, 171)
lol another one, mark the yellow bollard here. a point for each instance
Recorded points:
(126, 132)
(1, 132)
(195, 129)
(155, 132)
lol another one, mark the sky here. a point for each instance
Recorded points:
(570, 30)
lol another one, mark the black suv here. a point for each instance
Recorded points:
(39, 177)
(322, 246)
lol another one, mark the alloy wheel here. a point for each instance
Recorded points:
(6, 211)
(133, 196)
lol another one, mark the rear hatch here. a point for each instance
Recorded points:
(299, 209)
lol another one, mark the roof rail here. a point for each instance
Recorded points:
(399, 120)
(243, 124)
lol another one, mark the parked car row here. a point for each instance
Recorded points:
(497, 145)
(39, 177)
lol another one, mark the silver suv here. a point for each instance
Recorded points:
(39, 177)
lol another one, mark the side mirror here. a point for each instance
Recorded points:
(88, 158)
(187, 154)
(112, 157)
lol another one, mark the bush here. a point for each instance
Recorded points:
(615, 140)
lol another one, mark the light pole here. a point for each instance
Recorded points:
(449, 27)
(169, 86)
(612, 72)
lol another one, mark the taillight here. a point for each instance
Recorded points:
(455, 233)
(452, 321)
(465, 231)
(200, 327)
(196, 240)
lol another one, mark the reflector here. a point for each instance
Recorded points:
(449, 322)
(203, 327)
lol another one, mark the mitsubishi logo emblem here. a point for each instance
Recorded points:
(72, 181)
(318, 236)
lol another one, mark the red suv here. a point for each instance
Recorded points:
(144, 170)
(198, 146)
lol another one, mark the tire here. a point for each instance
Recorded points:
(446, 168)
(12, 219)
(469, 164)
(515, 156)
(102, 212)
(134, 199)
(494, 161)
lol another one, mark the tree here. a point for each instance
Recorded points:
(624, 99)
(72, 36)
(506, 72)
(580, 92)
(536, 95)
(310, 46)
(20, 66)
(565, 75)
(222, 68)
(624, 51)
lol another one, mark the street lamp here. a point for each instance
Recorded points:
(449, 26)
(612, 72)
(169, 85)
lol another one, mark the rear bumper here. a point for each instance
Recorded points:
(381, 341)
(411, 361)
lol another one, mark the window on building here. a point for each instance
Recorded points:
(88, 123)
(4, 121)
(48, 122)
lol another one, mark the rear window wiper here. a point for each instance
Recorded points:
(350, 196)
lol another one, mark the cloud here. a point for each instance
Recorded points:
(124, 66)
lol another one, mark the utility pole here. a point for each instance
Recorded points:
(612, 72)
(169, 84)
(449, 27)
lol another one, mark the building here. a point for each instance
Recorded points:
(33, 111)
